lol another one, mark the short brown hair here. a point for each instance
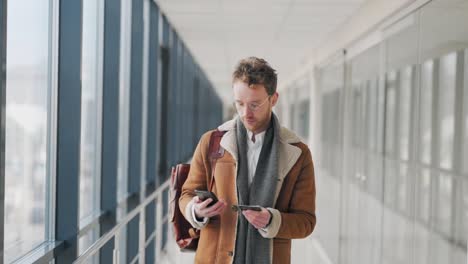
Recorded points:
(253, 70)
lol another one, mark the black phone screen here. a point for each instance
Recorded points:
(203, 195)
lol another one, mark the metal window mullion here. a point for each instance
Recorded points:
(457, 155)
(142, 236)
(164, 98)
(152, 134)
(396, 129)
(465, 115)
(171, 107)
(99, 101)
(110, 124)
(413, 130)
(385, 91)
(164, 113)
(185, 93)
(345, 97)
(187, 90)
(158, 240)
(171, 99)
(135, 123)
(415, 114)
(191, 116)
(153, 76)
(176, 100)
(52, 121)
(395, 156)
(180, 141)
(3, 41)
(68, 127)
(367, 115)
(434, 175)
(381, 132)
(196, 107)
(158, 86)
(365, 142)
(144, 98)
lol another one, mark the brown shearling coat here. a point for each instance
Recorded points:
(294, 210)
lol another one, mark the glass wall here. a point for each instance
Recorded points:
(443, 44)
(404, 182)
(363, 161)
(27, 116)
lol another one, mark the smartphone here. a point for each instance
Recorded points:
(240, 207)
(203, 195)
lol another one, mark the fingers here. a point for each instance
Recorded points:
(205, 203)
(257, 219)
(203, 210)
(215, 209)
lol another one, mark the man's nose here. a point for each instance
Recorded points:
(247, 112)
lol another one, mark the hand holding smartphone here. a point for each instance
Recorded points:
(240, 207)
(203, 195)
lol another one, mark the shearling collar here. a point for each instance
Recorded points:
(286, 135)
(288, 153)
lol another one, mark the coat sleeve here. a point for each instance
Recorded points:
(196, 180)
(299, 221)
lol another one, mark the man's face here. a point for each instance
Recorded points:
(253, 105)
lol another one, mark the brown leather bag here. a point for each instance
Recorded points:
(185, 235)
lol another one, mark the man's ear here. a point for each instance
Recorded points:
(274, 98)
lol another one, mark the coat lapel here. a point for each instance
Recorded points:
(288, 154)
(228, 142)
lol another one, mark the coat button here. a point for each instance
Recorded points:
(230, 253)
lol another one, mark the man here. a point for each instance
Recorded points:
(263, 164)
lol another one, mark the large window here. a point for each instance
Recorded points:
(90, 107)
(27, 125)
(91, 113)
(124, 97)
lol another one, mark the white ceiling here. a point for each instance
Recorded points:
(284, 32)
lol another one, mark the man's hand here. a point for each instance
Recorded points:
(259, 219)
(202, 210)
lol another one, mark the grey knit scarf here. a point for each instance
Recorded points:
(251, 247)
